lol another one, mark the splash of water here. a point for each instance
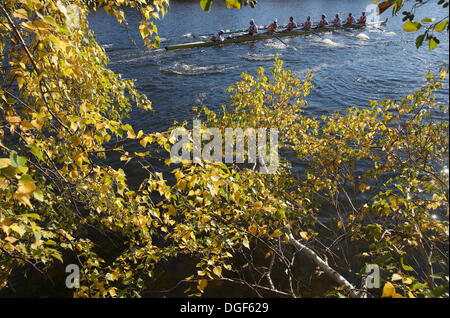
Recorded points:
(362, 36)
(180, 68)
(259, 57)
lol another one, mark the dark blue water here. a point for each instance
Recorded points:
(350, 67)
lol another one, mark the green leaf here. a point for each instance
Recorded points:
(427, 20)
(419, 40)
(433, 44)
(441, 26)
(406, 267)
(411, 26)
(16, 160)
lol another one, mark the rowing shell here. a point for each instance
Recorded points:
(268, 36)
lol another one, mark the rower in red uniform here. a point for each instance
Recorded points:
(291, 25)
(362, 19)
(307, 25)
(337, 21)
(350, 19)
(323, 22)
(274, 26)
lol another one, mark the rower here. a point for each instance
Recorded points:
(337, 21)
(274, 26)
(362, 19)
(307, 25)
(253, 29)
(220, 36)
(323, 22)
(291, 25)
(350, 19)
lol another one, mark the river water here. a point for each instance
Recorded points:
(350, 67)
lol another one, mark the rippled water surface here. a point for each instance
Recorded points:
(350, 67)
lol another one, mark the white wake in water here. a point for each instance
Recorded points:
(311, 69)
(362, 36)
(275, 44)
(194, 69)
(259, 57)
(388, 33)
(188, 35)
(329, 42)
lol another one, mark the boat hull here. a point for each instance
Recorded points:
(260, 37)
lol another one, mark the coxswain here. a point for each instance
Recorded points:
(220, 36)
(253, 29)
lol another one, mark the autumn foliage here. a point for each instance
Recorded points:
(373, 188)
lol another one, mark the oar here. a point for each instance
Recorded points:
(276, 37)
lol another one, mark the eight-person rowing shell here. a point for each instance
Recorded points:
(253, 29)
(253, 34)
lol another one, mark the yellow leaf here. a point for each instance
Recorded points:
(253, 229)
(172, 211)
(3, 183)
(73, 174)
(20, 14)
(10, 239)
(4, 162)
(388, 290)
(19, 230)
(112, 291)
(218, 271)
(304, 235)
(257, 205)
(84, 107)
(396, 277)
(13, 119)
(202, 283)
(26, 185)
(397, 296)
(407, 280)
(276, 233)
(181, 184)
